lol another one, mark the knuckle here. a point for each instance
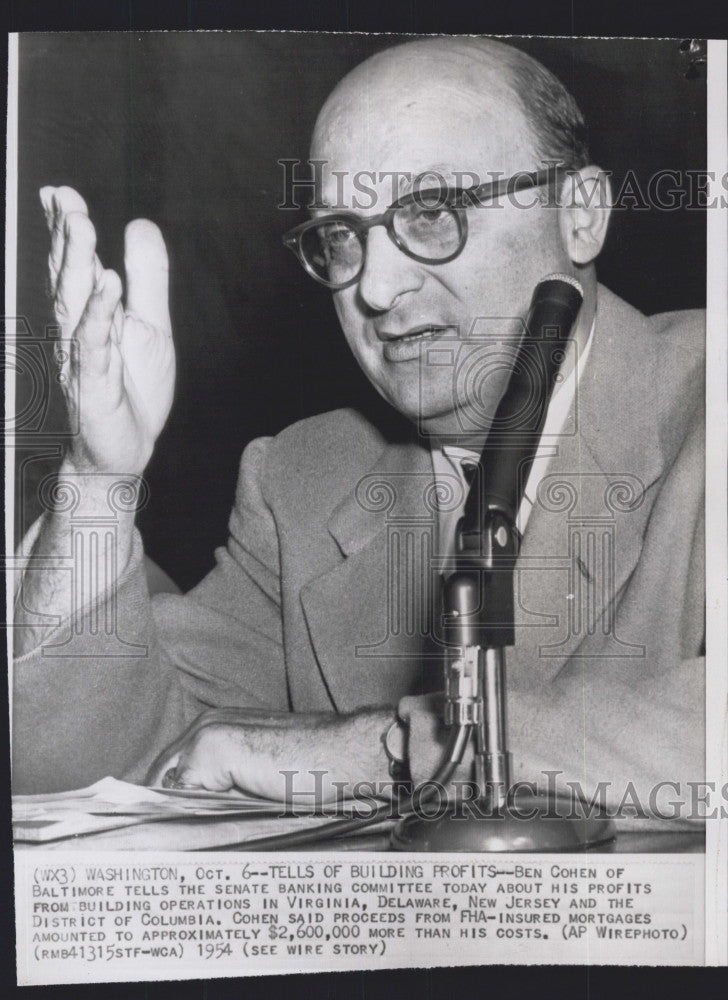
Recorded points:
(61, 310)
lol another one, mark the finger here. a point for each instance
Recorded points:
(94, 329)
(195, 772)
(117, 323)
(63, 199)
(147, 274)
(46, 199)
(168, 758)
(205, 761)
(64, 353)
(60, 201)
(173, 771)
(170, 779)
(179, 777)
(162, 766)
(176, 755)
(57, 204)
(77, 273)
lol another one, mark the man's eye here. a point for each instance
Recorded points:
(434, 221)
(337, 236)
(430, 215)
(426, 213)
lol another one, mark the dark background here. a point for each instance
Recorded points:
(187, 130)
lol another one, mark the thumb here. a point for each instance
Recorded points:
(427, 735)
(163, 771)
(181, 776)
(147, 274)
(198, 770)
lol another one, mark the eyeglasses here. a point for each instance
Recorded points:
(429, 226)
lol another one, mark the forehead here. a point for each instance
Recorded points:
(414, 115)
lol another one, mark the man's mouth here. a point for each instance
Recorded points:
(406, 346)
(423, 333)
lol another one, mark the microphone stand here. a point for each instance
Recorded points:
(479, 620)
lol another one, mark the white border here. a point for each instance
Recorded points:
(11, 252)
(716, 708)
(716, 405)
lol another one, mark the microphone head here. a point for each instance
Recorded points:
(568, 278)
(556, 300)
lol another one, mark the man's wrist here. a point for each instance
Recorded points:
(347, 748)
(83, 492)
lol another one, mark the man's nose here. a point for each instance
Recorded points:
(388, 273)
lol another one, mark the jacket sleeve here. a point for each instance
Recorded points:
(91, 702)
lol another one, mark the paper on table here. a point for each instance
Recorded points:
(116, 815)
(111, 804)
(210, 833)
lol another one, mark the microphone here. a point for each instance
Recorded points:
(518, 422)
(478, 596)
(479, 610)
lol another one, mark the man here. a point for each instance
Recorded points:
(292, 640)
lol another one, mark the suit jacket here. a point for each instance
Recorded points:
(325, 597)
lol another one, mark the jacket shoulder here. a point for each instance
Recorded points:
(679, 343)
(679, 352)
(681, 334)
(315, 462)
(342, 436)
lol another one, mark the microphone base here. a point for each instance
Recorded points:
(536, 823)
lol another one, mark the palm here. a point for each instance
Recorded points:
(126, 412)
(147, 355)
(118, 371)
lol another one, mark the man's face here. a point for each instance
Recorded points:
(403, 119)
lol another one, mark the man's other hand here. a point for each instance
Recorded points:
(116, 357)
(274, 754)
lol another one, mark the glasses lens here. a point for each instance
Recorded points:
(333, 251)
(428, 228)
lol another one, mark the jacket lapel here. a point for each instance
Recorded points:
(369, 618)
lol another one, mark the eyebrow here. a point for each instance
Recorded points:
(441, 170)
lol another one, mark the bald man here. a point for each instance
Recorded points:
(290, 654)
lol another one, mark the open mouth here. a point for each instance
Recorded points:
(408, 346)
(424, 333)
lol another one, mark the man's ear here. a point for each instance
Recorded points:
(585, 207)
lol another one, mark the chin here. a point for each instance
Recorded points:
(432, 422)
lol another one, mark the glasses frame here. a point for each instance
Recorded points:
(524, 180)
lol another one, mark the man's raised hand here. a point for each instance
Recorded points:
(117, 356)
